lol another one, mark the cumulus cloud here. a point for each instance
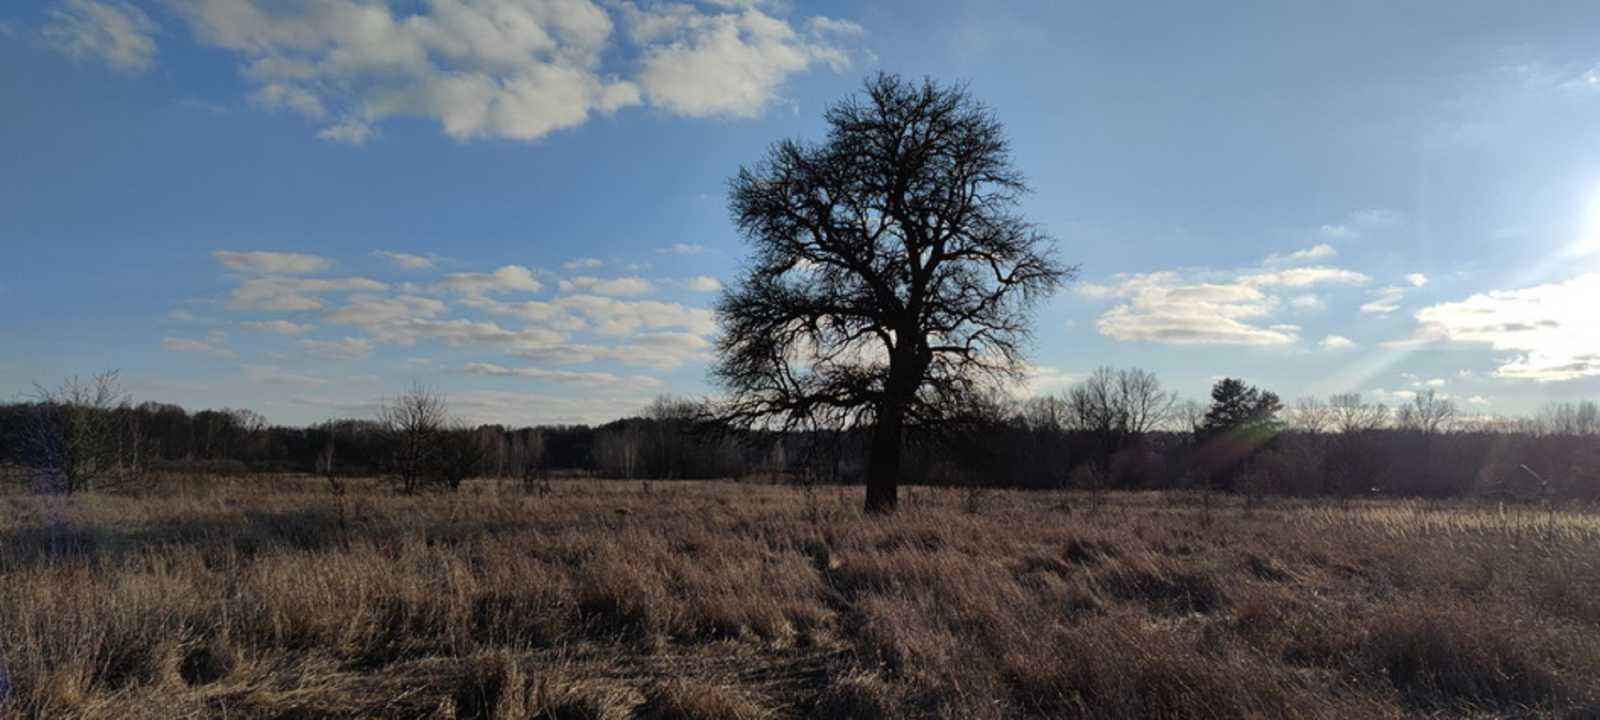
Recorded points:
(1160, 307)
(276, 263)
(111, 31)
(658, 350)
(517, 69)
(563, 376)
(682, 249)
(1549, 329)
(1304, 277)
(275, 293)
(631, 285)
(704, 283)
(699, 64)
(1417, 279)
(406, 261)
(609, 316)
(1321, 251)
(582, 264)
(1307, 302)
(509, 278)
(281, 327)
(366, 310)
(1334, 342)
(1217, 308)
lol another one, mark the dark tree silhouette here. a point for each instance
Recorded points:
(891, 277)
(1242, 418)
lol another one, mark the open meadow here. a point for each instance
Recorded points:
(268, 597)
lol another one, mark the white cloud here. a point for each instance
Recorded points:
(348, 131)
(1417, 279)
(1160, 307)
(274, 375)
(517, 69)
(368, 310)
(349, 347)
(274, 293)
(1478, 400)
(705, 284)
(113, 31)
(1307, 302)
(1550, 328)
(281, 327)
(1041, 380)
(1305, 277)
(1334, 342)
(509, 278)
(538, 311)
(631, 285)
(609, 316)
(582, 264)
(209, 346)
(563, 376)
(699, 64)
(275, 263)
(1316, 252)
(658, 350)
(406, 261)
(1216, 308)
(1336, 231)
(1384, 301)
(683, 249)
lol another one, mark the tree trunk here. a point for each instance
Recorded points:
(883, 462)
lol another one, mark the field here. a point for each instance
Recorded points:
(267, 598)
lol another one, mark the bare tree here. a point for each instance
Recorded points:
(1581, 418)
(1117, 406)
(72, 435)
(891, 278)
(1310, 414)
(1349, 414)
(1427, 413)
(413, 422)
(1188, 416)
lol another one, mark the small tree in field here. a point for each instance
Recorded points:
(73, 434)
(891, 279)
(459, 454)
(414, 422)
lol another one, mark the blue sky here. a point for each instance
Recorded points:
(300, 207)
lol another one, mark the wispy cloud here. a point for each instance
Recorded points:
(112, 31)
(406, 261)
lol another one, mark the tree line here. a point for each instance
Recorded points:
(1116, 430)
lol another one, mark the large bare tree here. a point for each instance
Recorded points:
(891, 276)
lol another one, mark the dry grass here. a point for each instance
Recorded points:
(703, 600)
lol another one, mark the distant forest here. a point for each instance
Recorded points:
(1116, 431)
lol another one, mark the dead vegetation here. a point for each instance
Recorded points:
(707, 600)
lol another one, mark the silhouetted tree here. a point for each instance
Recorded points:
(413, 422)
(1118, 406)
(72, 434)
(1241, 420)
(1427, 413)
(891, 278)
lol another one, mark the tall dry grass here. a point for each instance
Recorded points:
(260, 598)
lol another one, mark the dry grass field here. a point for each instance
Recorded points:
(253, 599)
